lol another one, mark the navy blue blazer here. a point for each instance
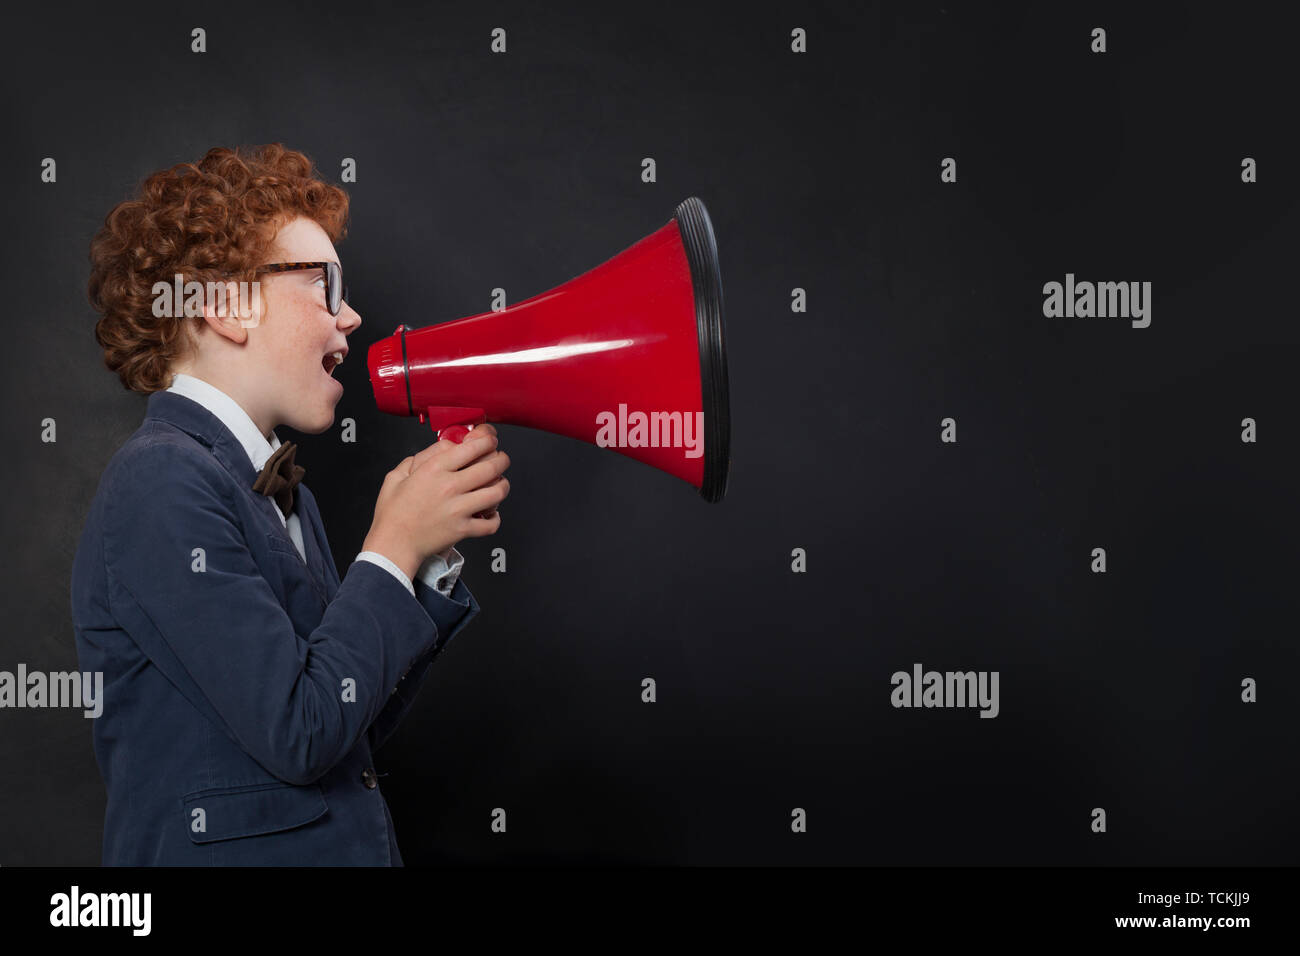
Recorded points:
(244, 691)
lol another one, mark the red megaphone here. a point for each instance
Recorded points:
(629, 356)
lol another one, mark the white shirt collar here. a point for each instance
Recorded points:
(231, 415)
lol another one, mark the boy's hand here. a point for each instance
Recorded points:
(431, 500)
(442, 445)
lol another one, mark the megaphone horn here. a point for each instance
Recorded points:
(630, 356)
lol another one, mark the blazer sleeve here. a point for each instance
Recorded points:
(450, 614)
(214, 627)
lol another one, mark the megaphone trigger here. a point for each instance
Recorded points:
(454, 433)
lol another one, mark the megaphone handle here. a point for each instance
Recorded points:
(451, 422)
(457, 433)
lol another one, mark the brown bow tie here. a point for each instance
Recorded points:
(279, 476)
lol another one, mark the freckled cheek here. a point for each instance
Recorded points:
(303, 348)
(291, 344)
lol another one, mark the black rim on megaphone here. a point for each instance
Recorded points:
(702, 253)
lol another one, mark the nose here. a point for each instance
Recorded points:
(349, 319)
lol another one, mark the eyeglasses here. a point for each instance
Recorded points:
(336, 293)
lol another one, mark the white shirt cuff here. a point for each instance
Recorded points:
(375, 558)
(440, 571)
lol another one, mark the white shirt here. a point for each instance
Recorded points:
(440, 571)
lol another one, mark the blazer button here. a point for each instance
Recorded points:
(369, 778)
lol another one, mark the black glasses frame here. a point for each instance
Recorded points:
(336, 293)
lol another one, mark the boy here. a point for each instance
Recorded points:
(245, 685)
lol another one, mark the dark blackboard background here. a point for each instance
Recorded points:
(820, 171)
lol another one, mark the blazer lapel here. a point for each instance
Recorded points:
(197, 421)
(305, 506)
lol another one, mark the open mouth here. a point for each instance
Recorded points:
(332, 361)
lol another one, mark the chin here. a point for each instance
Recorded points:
(313, 425)
(321, 425)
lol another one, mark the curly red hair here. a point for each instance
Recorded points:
(210, 221)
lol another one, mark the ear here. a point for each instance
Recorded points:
(228, 315)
